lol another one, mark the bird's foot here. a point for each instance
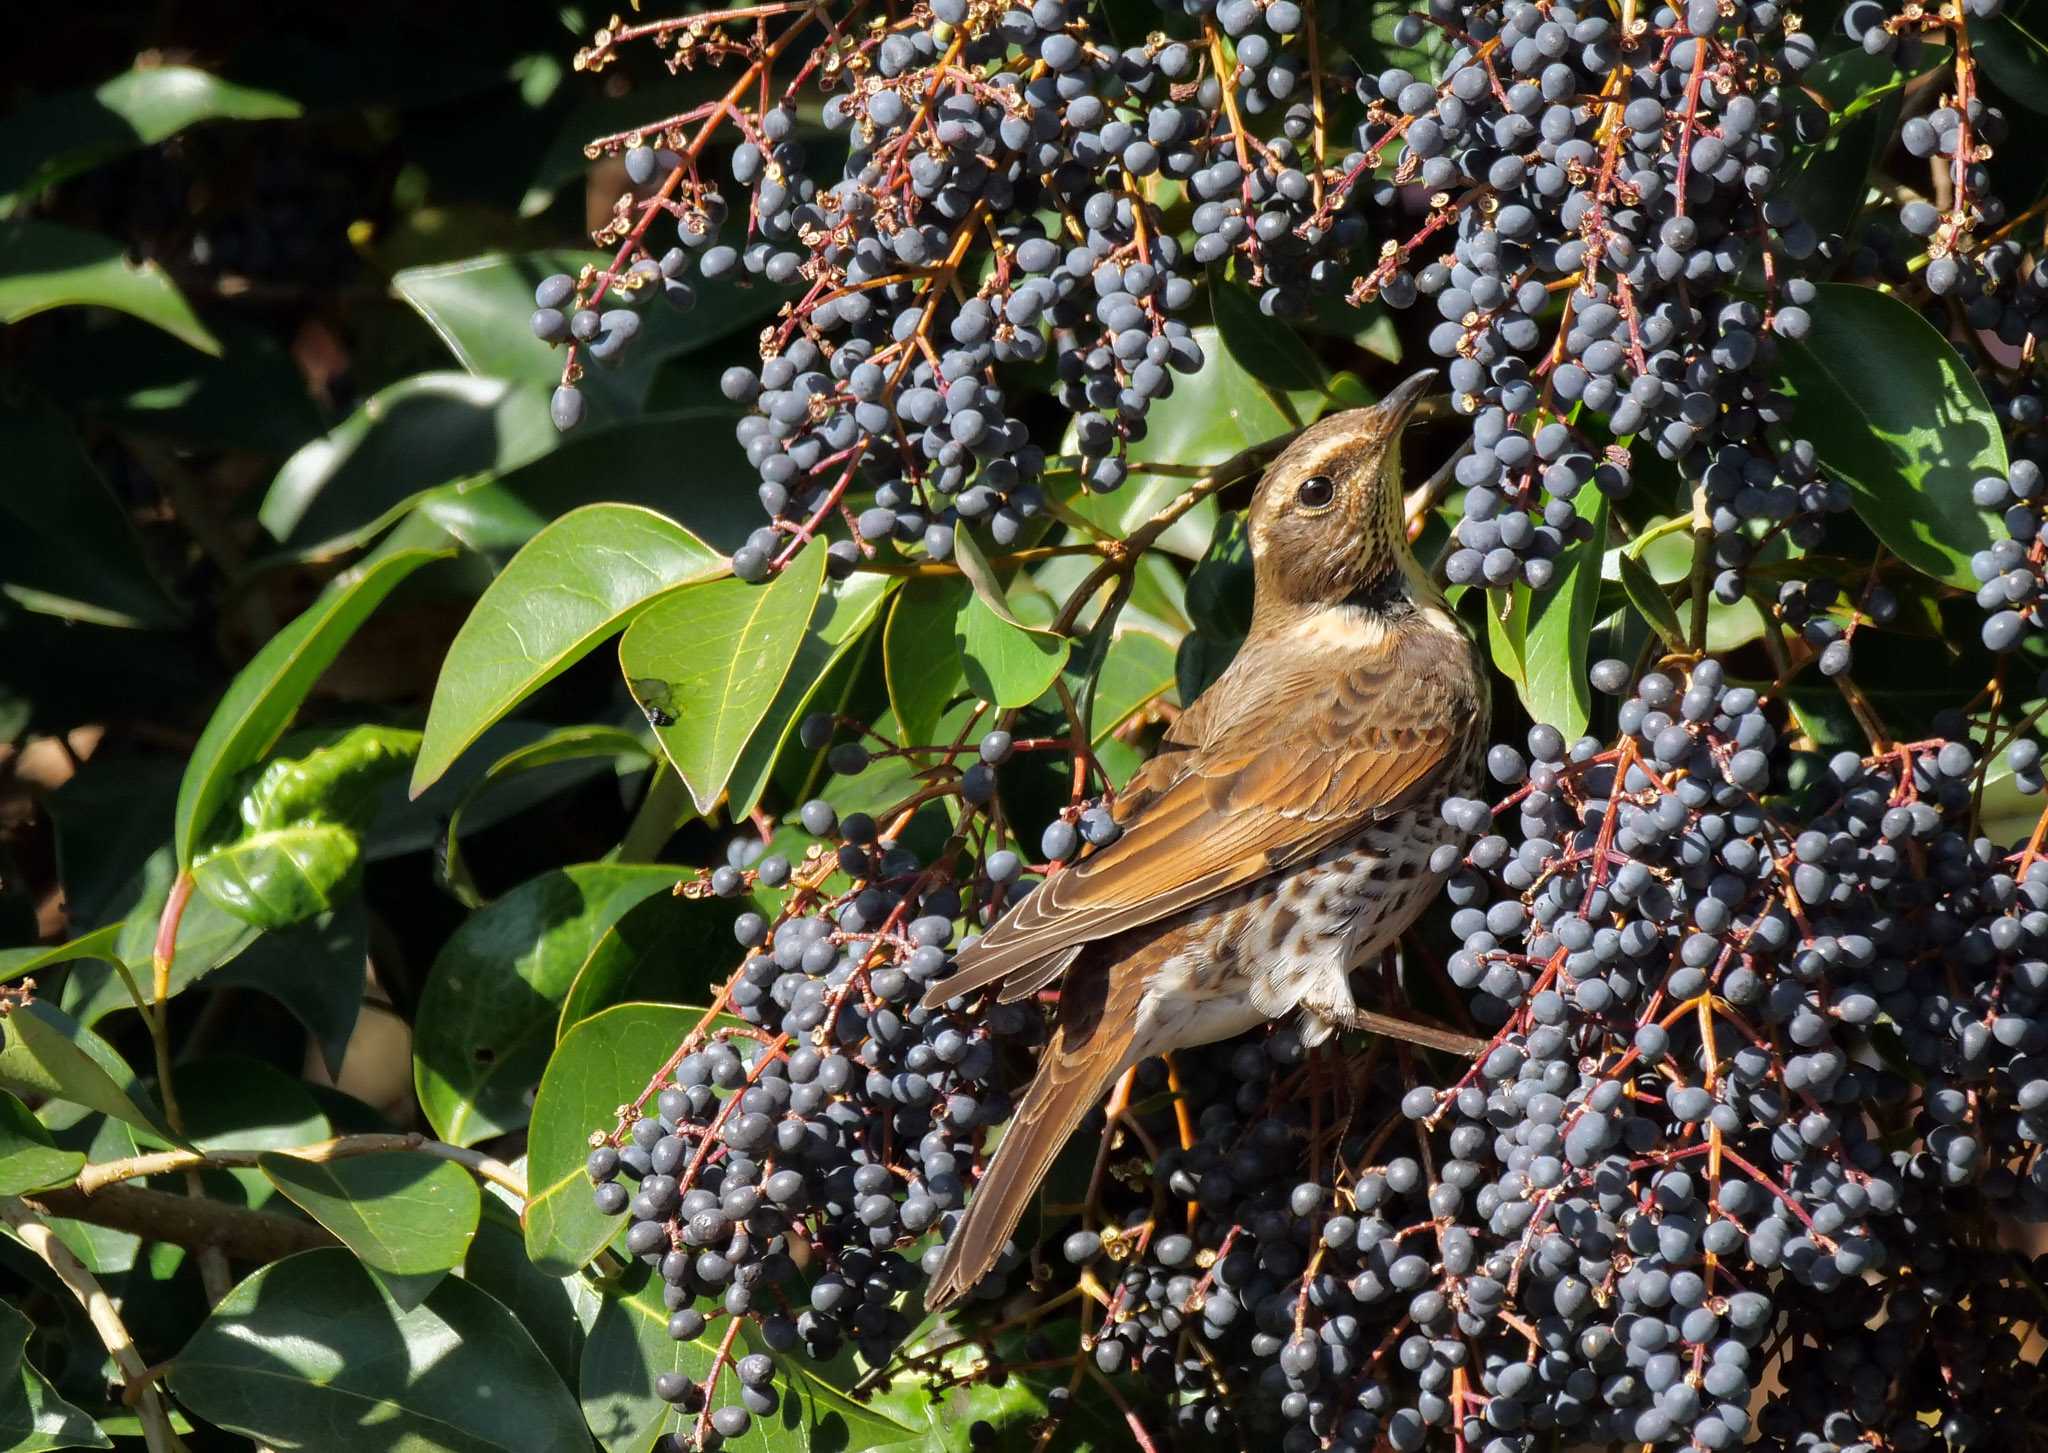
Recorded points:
(1350, 1016)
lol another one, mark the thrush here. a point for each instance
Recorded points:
(1280, 838)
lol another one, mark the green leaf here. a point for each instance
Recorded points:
(919, 659)
(1831, 179)
(1507, 633)
(1269, 350)
(631, 461)
(2013, 57)
(943, 1406)
(1668, 559)
(1212, 414)
(705, 662)
(32, 1416)
(666, 948)
(1137, 670)
(553, 1309)
(629, 1346)
(233, 1102)
(99, 944)
(839, 625)
(265, 694)
(580, 580)
(487, 1016)
(1899, 417)
(208, 937)
(408, 437)
(407, 1217)
(73, 131)
(1555, 688)
(1006, 663)
(67, 547)
(1649, 598)
(601, 1064)
(48, 1052)
(44, 266)
(303, 821)
(480, 307)
(456, 1373)
(564, 745)
(29, 1160)
(315, 969)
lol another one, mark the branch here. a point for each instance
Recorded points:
(99, 1308)
(196, 1224)
(94, 1178)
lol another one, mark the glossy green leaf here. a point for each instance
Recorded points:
(235, 1102)
(554, 1310)
(33, 1417)
(73, 131)
(407, 1217)
(208, 937)
(1894, 412)
(48, 1052)
(1832, 178)
(1269, 350)
(629, 1347)
(2006, 815)
(302, 825)
(1507, 631)
(579, 581)
(628, 461)
(15, 963)
(44, 265)
(845, 611)
(942, 1405)
(480, 308)
(67, 547)
(1137, 670)
(1668, 559)
(315, 969)
(29, 1160)
(265, 694)
(1555, 688)
(1649, 598)
(1004, 662)
(406, 438)
(920, 661)
(486, 1018)
(601, 1064)
(705, 663)
(2014, 57)
(1211, 415)
(456, 1374)
(667, 948)
(559, 748)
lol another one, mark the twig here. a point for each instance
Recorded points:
(235, 1232)
(95, 1178)
(99, 1308)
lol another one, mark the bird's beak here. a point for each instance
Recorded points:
(1391, 412)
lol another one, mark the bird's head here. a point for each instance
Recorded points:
(1326, 522)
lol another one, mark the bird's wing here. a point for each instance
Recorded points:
(1274, 784)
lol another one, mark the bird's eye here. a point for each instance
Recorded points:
(1316, 491)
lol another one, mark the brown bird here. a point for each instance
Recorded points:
(1280, 838)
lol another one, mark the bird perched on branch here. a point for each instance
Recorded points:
(1281, 837)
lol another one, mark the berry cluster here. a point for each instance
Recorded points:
(824, 1107)
(1768, 1062)
(1636, 174)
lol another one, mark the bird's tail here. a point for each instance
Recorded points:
(1086, 1053)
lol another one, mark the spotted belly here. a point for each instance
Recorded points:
(1295, 938)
